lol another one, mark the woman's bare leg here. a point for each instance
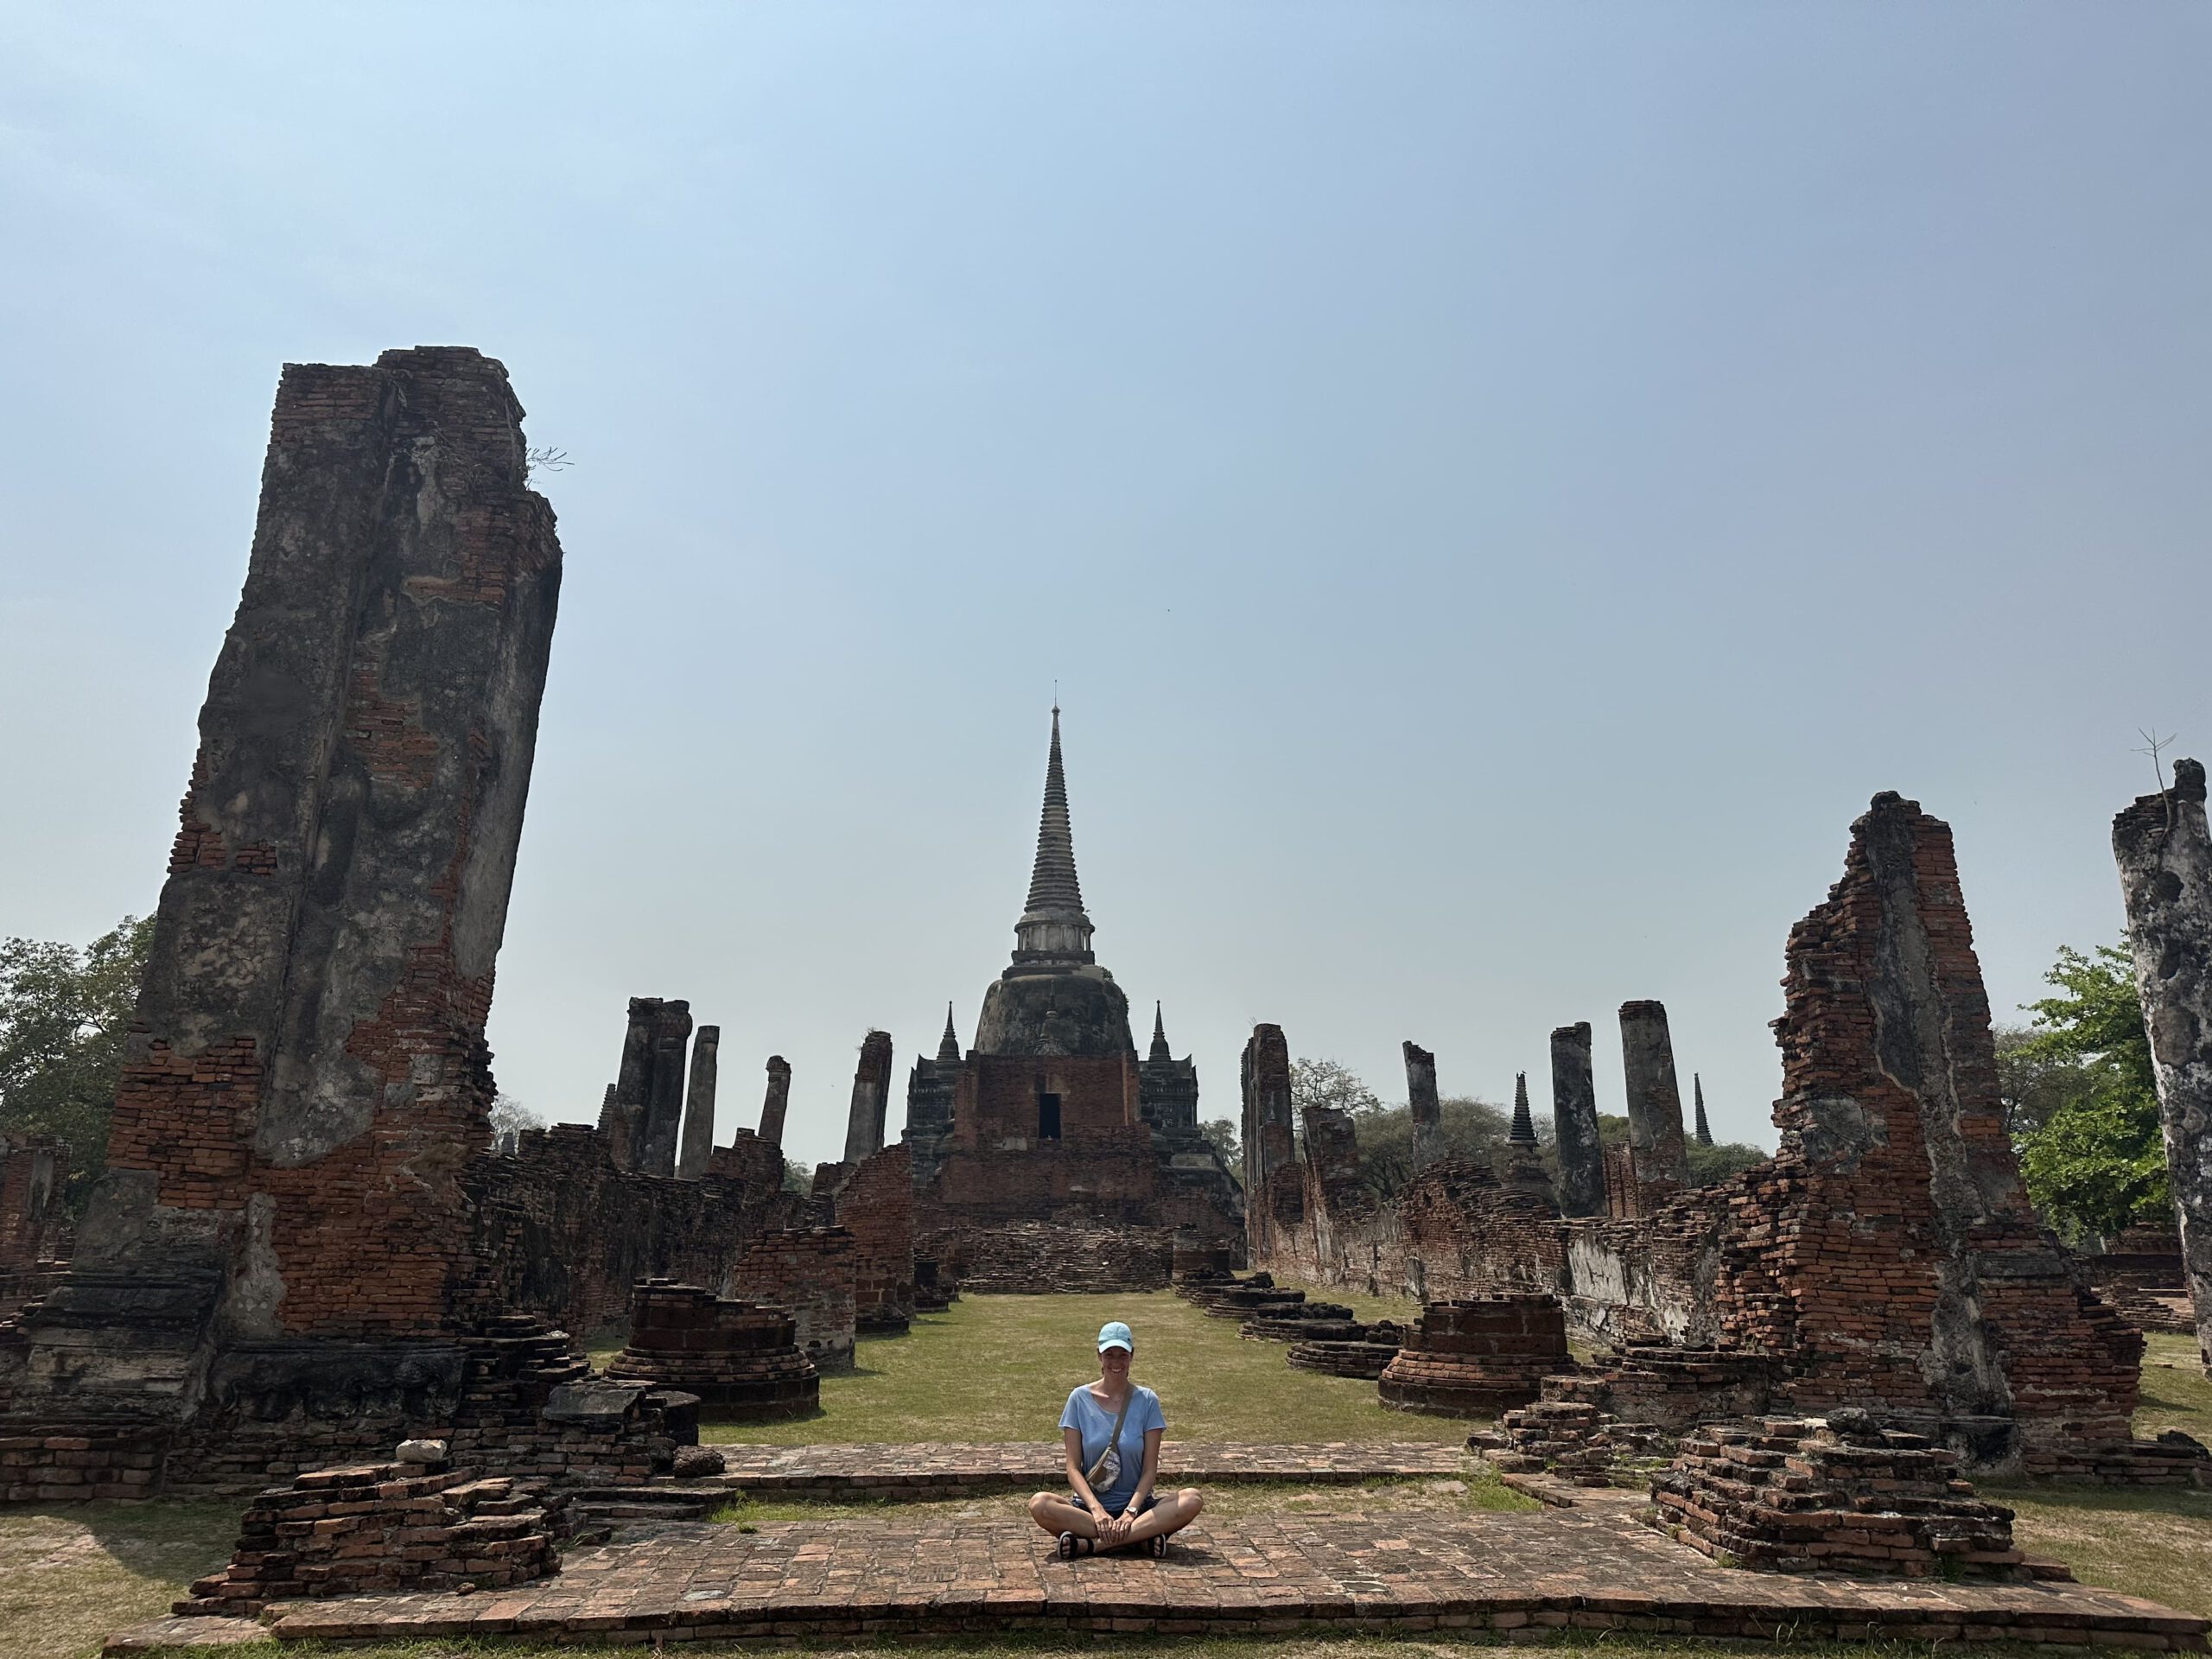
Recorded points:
(1056, 1515)
(1171, 1514)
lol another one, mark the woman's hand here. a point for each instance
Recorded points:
(1113, 1529)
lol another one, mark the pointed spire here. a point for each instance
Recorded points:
(1052, 927)
(1524, 1127)
(948, 1046)
(1704, 1128)
(1159, 1049)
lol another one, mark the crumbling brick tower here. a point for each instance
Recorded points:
(282, 1221)
(1889, 1251)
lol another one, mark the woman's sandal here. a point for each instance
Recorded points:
(1157, 1545)
(1073, 1544)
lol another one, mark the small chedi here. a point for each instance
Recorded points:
(739, 1357)
(1844, 1494)
(1479, 1357)
(386, 1529)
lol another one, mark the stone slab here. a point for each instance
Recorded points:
(1591, 1569)
(927, 1470)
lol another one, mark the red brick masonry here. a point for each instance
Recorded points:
(1587, 1568)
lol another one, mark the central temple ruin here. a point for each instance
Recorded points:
(1050, 1157)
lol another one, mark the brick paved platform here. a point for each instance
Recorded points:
(1588, 1568)
(933, 1470)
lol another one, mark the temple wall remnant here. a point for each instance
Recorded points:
(310, 1026)
(2165, 855)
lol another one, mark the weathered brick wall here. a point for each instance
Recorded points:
(807, 1271)
(1034, 1258)
(34, 1220)
(561, 1231)
(874, 1200)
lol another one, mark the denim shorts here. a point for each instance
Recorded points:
(1151, 1501)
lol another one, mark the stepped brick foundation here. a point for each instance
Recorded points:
(1477, 1357)
(1804, 1495)
(1303, 1319)
(1195, 1258)
(739, 1356)
(385, 1529)
(1365, 1351)
(1670, 1389)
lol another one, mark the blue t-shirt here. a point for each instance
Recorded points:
(1095, 1422)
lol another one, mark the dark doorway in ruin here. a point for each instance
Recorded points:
(1048, 1116)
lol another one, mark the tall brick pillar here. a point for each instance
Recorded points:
(643, 1114)
(1574, 1123)
(1421, 1102)
(1655, 1098)
(307, 1074)
(777, 1101)
(1269, 1150)
(2165, 875)
(699, 1106)
(871, 1098)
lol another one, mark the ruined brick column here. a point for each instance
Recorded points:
(1265, 1075)
(699, 1107)
(1574, 1122)
(871, 1098)
(1889, 1255)
(1421, 1102)
(778, 1097)
(2165, 875)
(1655, 1098)
(645, 1104)
(307, 1074)
(1704, 1128)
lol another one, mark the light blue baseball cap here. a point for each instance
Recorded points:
(1115, 1334)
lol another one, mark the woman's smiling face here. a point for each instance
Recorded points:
(1114, 1364)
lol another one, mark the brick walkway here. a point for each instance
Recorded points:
(1588, 1568)
(931, 1471)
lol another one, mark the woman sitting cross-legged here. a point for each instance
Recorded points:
(1111, 1430)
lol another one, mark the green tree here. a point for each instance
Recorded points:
(1222, 1132)
(64, 1012)
(797, 1177)
(2082, 1101)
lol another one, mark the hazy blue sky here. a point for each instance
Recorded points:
(1498, 487)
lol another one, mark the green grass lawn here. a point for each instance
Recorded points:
(70, 1575)
(999, 1368)
(2175, 1392)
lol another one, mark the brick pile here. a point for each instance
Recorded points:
(737, 1356)
(1364, 1351)
(1800, 1495)
(1573, 1441)
(1477, 1357)
(385, 1529)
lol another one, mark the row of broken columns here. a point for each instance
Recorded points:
(1658, 1151)
(655, 1092)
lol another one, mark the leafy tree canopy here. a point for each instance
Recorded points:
(2082, 1100)
(64, 1014)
